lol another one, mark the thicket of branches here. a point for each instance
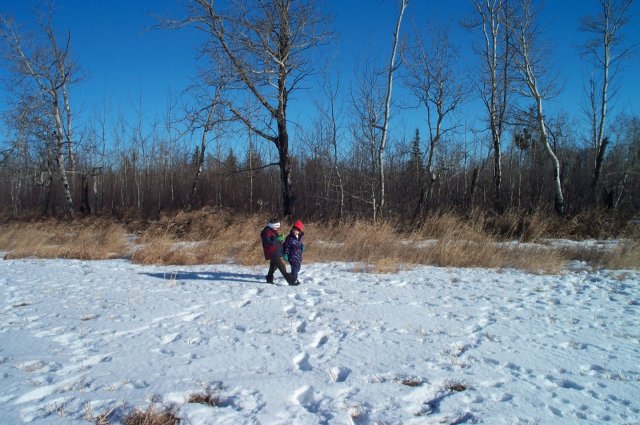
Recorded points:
(339, 165)
(150, 176)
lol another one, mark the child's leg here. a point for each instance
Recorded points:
(295, 269)
(272, 269)
(282, 266)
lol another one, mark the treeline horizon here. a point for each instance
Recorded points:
(143, 180)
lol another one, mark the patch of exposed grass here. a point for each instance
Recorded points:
(152, 416)
(456, 387)
(101, 418)
(411, 382)
(207, 398)
(625, 256)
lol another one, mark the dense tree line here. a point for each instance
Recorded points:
(148, 177)
(348, 161)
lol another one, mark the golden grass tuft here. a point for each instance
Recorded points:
(208, 398)
(451, 226)
(152, 416)
(201, 237)
(82, 239)
(625, 256)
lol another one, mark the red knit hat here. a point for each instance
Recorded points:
(298, 225)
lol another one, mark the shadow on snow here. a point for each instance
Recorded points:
(222, 276)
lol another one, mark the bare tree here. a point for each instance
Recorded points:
(206, 118)
(387, 103)
(433, 79)
(372, 106)
(531, 66)
(50, 68)
(266, 46)
(496, 52)
(330, 113)
(627, 150)
(366, 100)
(606, 49)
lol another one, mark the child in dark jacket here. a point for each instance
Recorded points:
(272, 247)
(293, 247)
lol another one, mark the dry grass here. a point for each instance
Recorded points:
(95, 239)
(212, 236)
(152, 416)
(456, 242)
(208, 398)
(202, 237)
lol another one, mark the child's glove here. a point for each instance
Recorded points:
(302, 248)
(280, 238)
(286, 257)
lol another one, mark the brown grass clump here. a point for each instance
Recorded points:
(451, 226)
(152, 416)
(82, 239)
(202, 237)
(516, 224)
(624, 256)
(208, 398)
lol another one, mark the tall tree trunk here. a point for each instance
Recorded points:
(200, 160)
(59, 155)
(557, 172)
(387, 106)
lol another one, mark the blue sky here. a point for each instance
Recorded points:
(127, 64)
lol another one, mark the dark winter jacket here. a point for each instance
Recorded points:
(270, 244)
(293, 247)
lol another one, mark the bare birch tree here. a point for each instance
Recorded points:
(434, 81)
(366, 100)
(50, 69)
(496, 53)
(266, 46)
(530, 62)
(606, 49)
(372, 107)
(387, 104)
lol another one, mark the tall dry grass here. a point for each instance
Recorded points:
(444, 240)
(211, 236)
(201, 237)
(91, 239)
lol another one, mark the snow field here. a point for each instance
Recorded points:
(426, 345)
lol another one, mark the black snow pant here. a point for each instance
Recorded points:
(278, 263)
(295, 269)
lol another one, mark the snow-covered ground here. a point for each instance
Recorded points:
(427, 345)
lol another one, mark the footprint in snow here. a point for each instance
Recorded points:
(300, 326)
(304, 396)
(339, 374)
(302, 361)
(319, 339)
(295, 297)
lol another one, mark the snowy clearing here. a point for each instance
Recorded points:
(426, 345)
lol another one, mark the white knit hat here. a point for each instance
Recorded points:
(274, 224)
